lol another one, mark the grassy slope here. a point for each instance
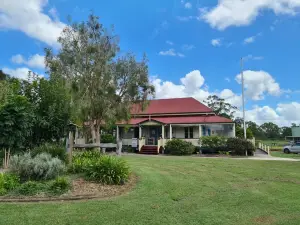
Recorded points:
(183, 190)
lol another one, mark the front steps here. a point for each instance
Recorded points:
(149, 150)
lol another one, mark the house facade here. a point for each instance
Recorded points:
(165, 119)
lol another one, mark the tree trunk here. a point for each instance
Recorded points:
(98, 136)
(93, 132)
(119, 147)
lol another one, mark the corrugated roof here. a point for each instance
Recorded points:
(172, 106)
(180, 120)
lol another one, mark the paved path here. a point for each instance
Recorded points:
(258, 156)
(261, 155)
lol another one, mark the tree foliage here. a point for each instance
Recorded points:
(271, 130)
(50, 101)
(103, 87)
(16, 121)
(286, 131)
(220, 107)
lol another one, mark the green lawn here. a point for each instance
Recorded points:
(283, 155)
(183, 190)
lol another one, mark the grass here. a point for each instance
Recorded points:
(183, 190)
(276, 142)
(283, 155)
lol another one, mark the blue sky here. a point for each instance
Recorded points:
(194, 47)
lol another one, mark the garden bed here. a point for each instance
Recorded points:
(81, 190)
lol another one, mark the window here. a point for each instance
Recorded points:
(191, 132)
(188, 132)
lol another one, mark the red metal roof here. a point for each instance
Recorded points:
(172, 106)
(180, 120)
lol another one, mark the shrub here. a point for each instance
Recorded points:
(108, 170)
(60, 185)
(107, 138)
(40, 167)
(212, 141)
(81, 160)
(215, 150)
(8, 182)
(32, 188)
(197, 150)
(179, 147)
(239, 146)
(54, 150)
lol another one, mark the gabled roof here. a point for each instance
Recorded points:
(171, 106)
(179, 120)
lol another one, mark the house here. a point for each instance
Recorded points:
(165, 119)
(295, 135)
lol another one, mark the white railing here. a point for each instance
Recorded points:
(127, 141)
(159, 143)
(264, 148)
(141, 143)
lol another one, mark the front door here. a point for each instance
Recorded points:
(153, 136)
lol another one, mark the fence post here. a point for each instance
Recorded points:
(268, 150)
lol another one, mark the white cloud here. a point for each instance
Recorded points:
(261, 115)
(169, 42)
(188, 5)
(283, 114)
(252, 57)
(187, 47)
(18, 59)
(53, 12)
(249, 40)
(258, 83)
(216, 42)
(231, 97)
(162, 26)
(35, 61)
(227, 79)
(20, 73)
(191, 85)
(243, 12)
(289, 110)
(193, 81)
(28, 17)
(171, 52)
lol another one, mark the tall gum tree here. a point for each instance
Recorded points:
(103, 85)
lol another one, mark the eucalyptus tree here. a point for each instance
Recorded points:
(103, 85)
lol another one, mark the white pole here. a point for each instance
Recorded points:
(243, 97)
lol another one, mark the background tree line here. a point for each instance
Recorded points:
(267, 130)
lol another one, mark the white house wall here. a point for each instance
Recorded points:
(179, 132)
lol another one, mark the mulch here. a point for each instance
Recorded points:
(81, 190)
